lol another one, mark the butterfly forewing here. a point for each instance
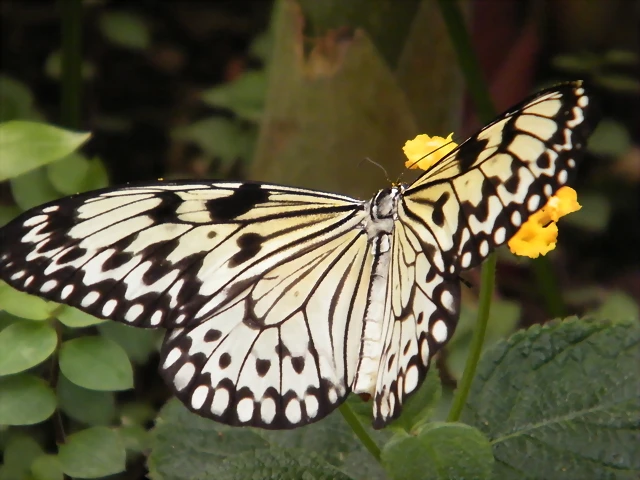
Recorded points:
(477, 197)
(280, 301)
(165, 254)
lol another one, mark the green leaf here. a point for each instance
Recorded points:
(7, 214)
(137, 342)
(74, 318)
(24, 400)
(47, 467)
(24, 345)
(23, 305)
(29, 145)
(440, 451)
(53, 67)
(86, 406)
(503, 319)
(68, 174)
(275, 464)
(220, 137)
(418, 408)
(16, 100)
(244, 96)
(32, 189)
(618, 306)
(92, 453)
(617, 82)
(564, 397)
(611, 138)
(97, 176)
(20, 451)
(96, 363)
(594, 214)
(125, 30)
(135, 438)
(185, 445)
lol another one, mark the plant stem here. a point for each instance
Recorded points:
(484, 307)
(71, 58)
(482, 99)
(359, 430)
(548, 287)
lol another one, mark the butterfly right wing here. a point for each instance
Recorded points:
(283, 352)
(165, 254)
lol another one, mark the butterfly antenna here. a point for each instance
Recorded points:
(465, 282)
(377, 165)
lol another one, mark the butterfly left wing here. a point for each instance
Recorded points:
(460, 210)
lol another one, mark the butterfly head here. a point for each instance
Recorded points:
(384, 204)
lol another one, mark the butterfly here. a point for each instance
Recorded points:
(280, 301)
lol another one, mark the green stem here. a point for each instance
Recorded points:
(484, 307)
(482, 99)
(359, 430)
(71, 79)
(548, 287)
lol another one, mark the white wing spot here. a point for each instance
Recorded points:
(66, 291)
(48, 285)
(156, 318)
(109, 307)
(516, 219)
(447, 301)
(311, 404)
(199, 396)
(134, 312)
(18, 275)
(172, 357)
(411, 379)
(33, 221)
(28, 281)
(571, 162)
(562, 177)
(582, 101)
(268, 410)
(439, 331)
(424, 351)
(245, 409)
(184, 376)
(484, 248)
(90, 298)
(499, 235)
(332, 395)
(466, 260)
(293, 411)
(220, 401)
(50, 209)
(180, 318)
(533, 203)
(548, 190)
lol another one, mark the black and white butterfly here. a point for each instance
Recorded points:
(280, 301)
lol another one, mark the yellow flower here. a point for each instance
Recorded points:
(423, 151)
(538, 235)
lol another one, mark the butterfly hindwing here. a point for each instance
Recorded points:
(283, 352)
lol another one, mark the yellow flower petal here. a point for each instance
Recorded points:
(423, 151)
(539, 234)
